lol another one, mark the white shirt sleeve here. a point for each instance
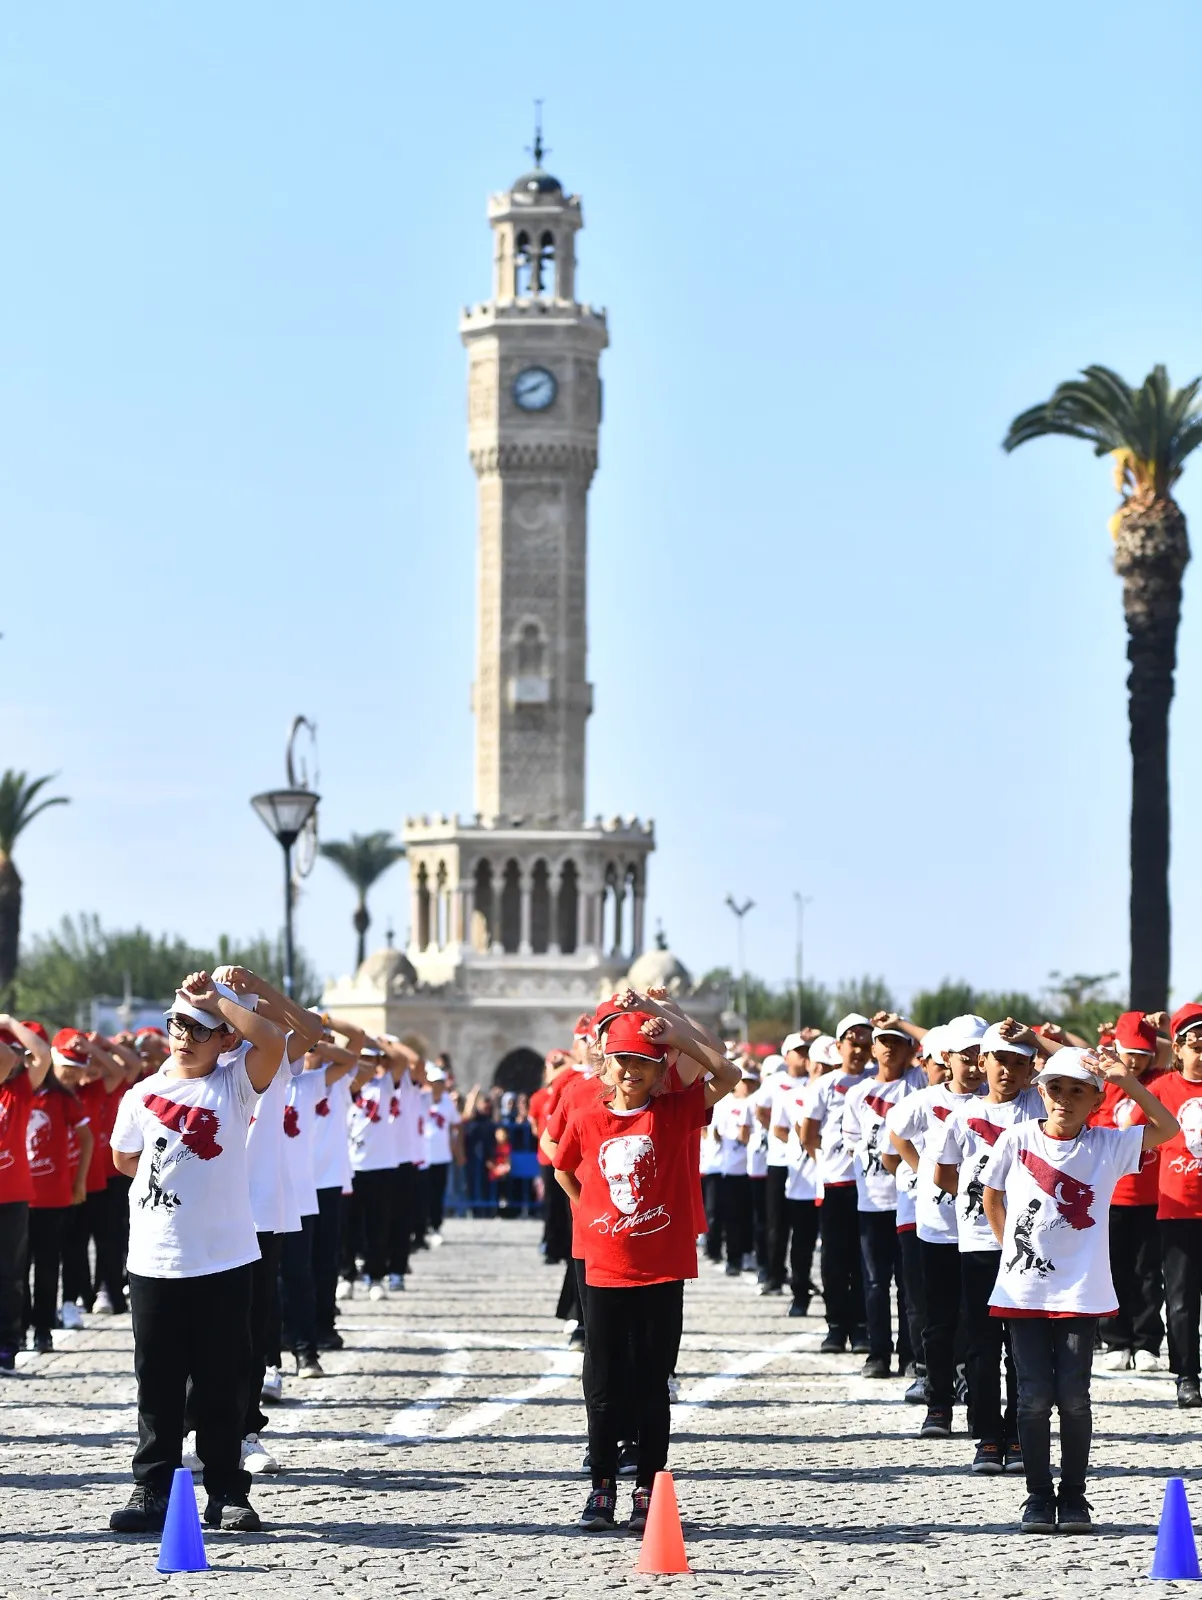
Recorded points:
(997, 1168)
(127, 1135)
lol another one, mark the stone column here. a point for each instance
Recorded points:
(524, 948)
(619, 902)
(639, 905)
(583, 900)
(414, 909)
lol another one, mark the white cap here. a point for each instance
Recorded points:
(825, 1051)
(932, 1041)
(792, 1041)
(994, 1039)
(771, 1064)
(748, 1076)
(853, 1019)
(183, 1007)
(892, 1033)
(961, 1033)
(435, 1074)
(1071, 1063)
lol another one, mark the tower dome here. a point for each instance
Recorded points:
(387, 969)
(536, 186)
(660, 969)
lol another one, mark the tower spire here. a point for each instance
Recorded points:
(538, 149)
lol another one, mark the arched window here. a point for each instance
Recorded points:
(423, 908)
(483, 925)
(544, 267)
(567, 910)
(610, 917)
(540, 908)
(632, 890)
(524, 267)
(532, 652)
(442, 908)
(511, 908)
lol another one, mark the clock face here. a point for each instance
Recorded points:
(534, 389)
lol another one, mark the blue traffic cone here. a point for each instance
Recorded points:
(183, 1546)
(1176, 1551)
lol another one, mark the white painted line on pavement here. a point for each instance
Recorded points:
(414, 1421)
(563, 1367)
(754, 1361)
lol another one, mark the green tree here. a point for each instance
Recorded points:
(363, 858)
(18, 794)
(1150, 432)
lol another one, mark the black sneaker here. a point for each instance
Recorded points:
(1012, 1460)
(1188, 1394)
(875, 1367)
(232, 1513)
(639, 1510)
(330, 1341)
(576, 1339)
(8, 1359)
(799, 1308)
(43, 1343)
(144, 1512)
(916, 1394)
(859, 1344)
(1072, 1511)
(732, 1271)
(937, 1424)
(988, 1457)
(833, 1345)
(1039, 1514)
(598, 1513)
(628, 1459)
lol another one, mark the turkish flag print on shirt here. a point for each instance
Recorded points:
(636, 1172)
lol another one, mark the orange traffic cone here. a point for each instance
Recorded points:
(662, 1549)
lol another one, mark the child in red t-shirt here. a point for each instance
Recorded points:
(1179, 1211)
(59, 1183)
(24, 1062)
(625, 1161)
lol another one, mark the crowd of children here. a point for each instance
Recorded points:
(228, 1180)
(1024, 1197)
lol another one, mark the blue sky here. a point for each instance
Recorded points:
(841, 643)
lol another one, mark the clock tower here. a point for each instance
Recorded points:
(534, 411)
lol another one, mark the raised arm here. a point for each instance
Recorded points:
(266, 1040)
(33, 1044)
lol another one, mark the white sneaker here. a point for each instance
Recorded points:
(345, 1290)
(255, 1458)
(395, 1281)
(1145, 1361)
(434, 1240)
(673, 1390)
(1116, 1361)
(71, 1316)
(188, 1457)
(377, 1292)
(102, 1306)
(273, 1386)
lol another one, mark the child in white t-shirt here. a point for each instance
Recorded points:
(181, 1136)
(1047, 1188)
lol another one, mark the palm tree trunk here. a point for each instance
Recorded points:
(362, 921)
(1151, 552)
(10, 926)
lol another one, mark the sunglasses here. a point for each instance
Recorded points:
(183, 1027)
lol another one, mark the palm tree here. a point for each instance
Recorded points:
(363, 858)
(1149, 431)
(17, 811)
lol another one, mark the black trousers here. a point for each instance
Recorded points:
(632, 1336)
(198, 1329)
(47, 1224)
(711, 1185)
(1053, 1358)
(14, 1252)
(880, 1254)
(434, 1192)
(264, 1329)
(1181, 1259)
(987, 1339)
(1138, 1283)
(916, 1298)
(327, 1233)
(374, 1199)
(298, 1300)
(842, 1279)
(403, 1224)
(734, 1212)
(941, 1288)
(759, 1221)
(557, 1219)
(801, 1218)
(777, 1223)
(77, 1270)
(352, 1247)
(112, 1273)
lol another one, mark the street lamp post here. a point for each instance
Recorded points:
(801, 901)
(740, 912)
(285, 812)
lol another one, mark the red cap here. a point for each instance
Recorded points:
(70, 1048)
(1134, 1032)
(1105, 1039)
(584, 1026)
(555, 1058)
(626, 1037)
(8, 1037)
(156, 1033)
(606, 1012)
(1185, 1017)
(36, 1027)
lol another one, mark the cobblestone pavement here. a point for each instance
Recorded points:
(442, 1454)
